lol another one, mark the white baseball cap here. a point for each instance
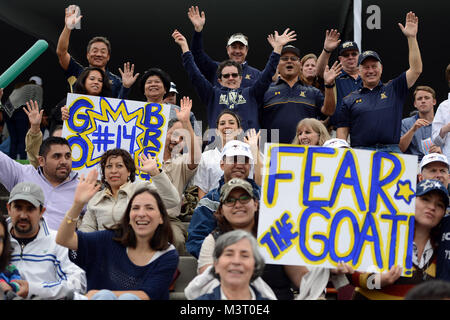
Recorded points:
(237, 148)
(239, 37)
(36, 79)
(336, 143)
(433, 157)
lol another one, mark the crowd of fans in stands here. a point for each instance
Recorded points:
(71, 236)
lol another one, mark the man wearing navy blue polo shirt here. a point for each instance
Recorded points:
(372, 115)
(98, 55)
(288, 100)
(237, 49)
(349, 79)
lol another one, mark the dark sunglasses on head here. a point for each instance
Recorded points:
(230, 202)
(347, 54)
(227, 75)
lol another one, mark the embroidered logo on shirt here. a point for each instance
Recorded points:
(302, 94)
(231, 99)
(383, 95)
(247, 76)
(358, 101)
(277, 92)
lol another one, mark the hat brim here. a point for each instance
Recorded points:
(30, 199)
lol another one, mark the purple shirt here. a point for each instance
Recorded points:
(58, 200)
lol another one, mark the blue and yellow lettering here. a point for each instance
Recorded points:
(303, 234)
(377, 183)
(274, 175)
(374, 240)
(354, 236)
(79, 122)
(280, 236)
(310, 179)
(395, 218)
(409, 248)
(348, 165)
(77, 141)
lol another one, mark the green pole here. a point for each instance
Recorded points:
(23, 62)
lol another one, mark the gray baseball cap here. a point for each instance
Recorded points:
(29, 192)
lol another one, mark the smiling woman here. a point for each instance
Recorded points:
(132, 260)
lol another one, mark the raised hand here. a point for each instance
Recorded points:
(128, 79)
(277, 41)
(72, 18)
(33, 113)
(148, 165)
(87, 188)
(252, 138)
(330, 74)
(411, 25)
(180, 40)
(184, 113)
(198, 19)
(331, 40)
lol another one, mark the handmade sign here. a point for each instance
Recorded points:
(97, 124)
(320, 206)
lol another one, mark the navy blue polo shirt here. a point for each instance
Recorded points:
(375, 116)
(118, 91)
(345, 84)
(284, 107)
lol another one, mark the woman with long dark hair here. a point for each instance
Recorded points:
(133, 260)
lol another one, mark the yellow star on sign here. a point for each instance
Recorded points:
(404, 191)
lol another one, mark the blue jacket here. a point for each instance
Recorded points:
(203, 221)
(209, 67)
(215, 295)
(246, 102)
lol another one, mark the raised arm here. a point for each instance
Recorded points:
(278, 41)
(128, 76)
(62, 48)
(415, 60)
(33, 139)
(197, 18)
(332, 40)
(329, 77)
(194, 147)
(86, 189)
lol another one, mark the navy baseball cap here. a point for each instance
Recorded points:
(425, 186)
(368, 54)
(290, 48)
(347, 45)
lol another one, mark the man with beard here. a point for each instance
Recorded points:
(54, 175)
(180, 166)
(44, 266)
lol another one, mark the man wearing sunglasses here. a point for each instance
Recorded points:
(349, 79)
(236, 162)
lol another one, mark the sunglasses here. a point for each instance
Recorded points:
(230, 202)
(346, 55)
(292, 58)
(227, 75)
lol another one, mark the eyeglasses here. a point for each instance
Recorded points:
(292, 58)
(346, 55)
(230, 202)
(227, 75)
